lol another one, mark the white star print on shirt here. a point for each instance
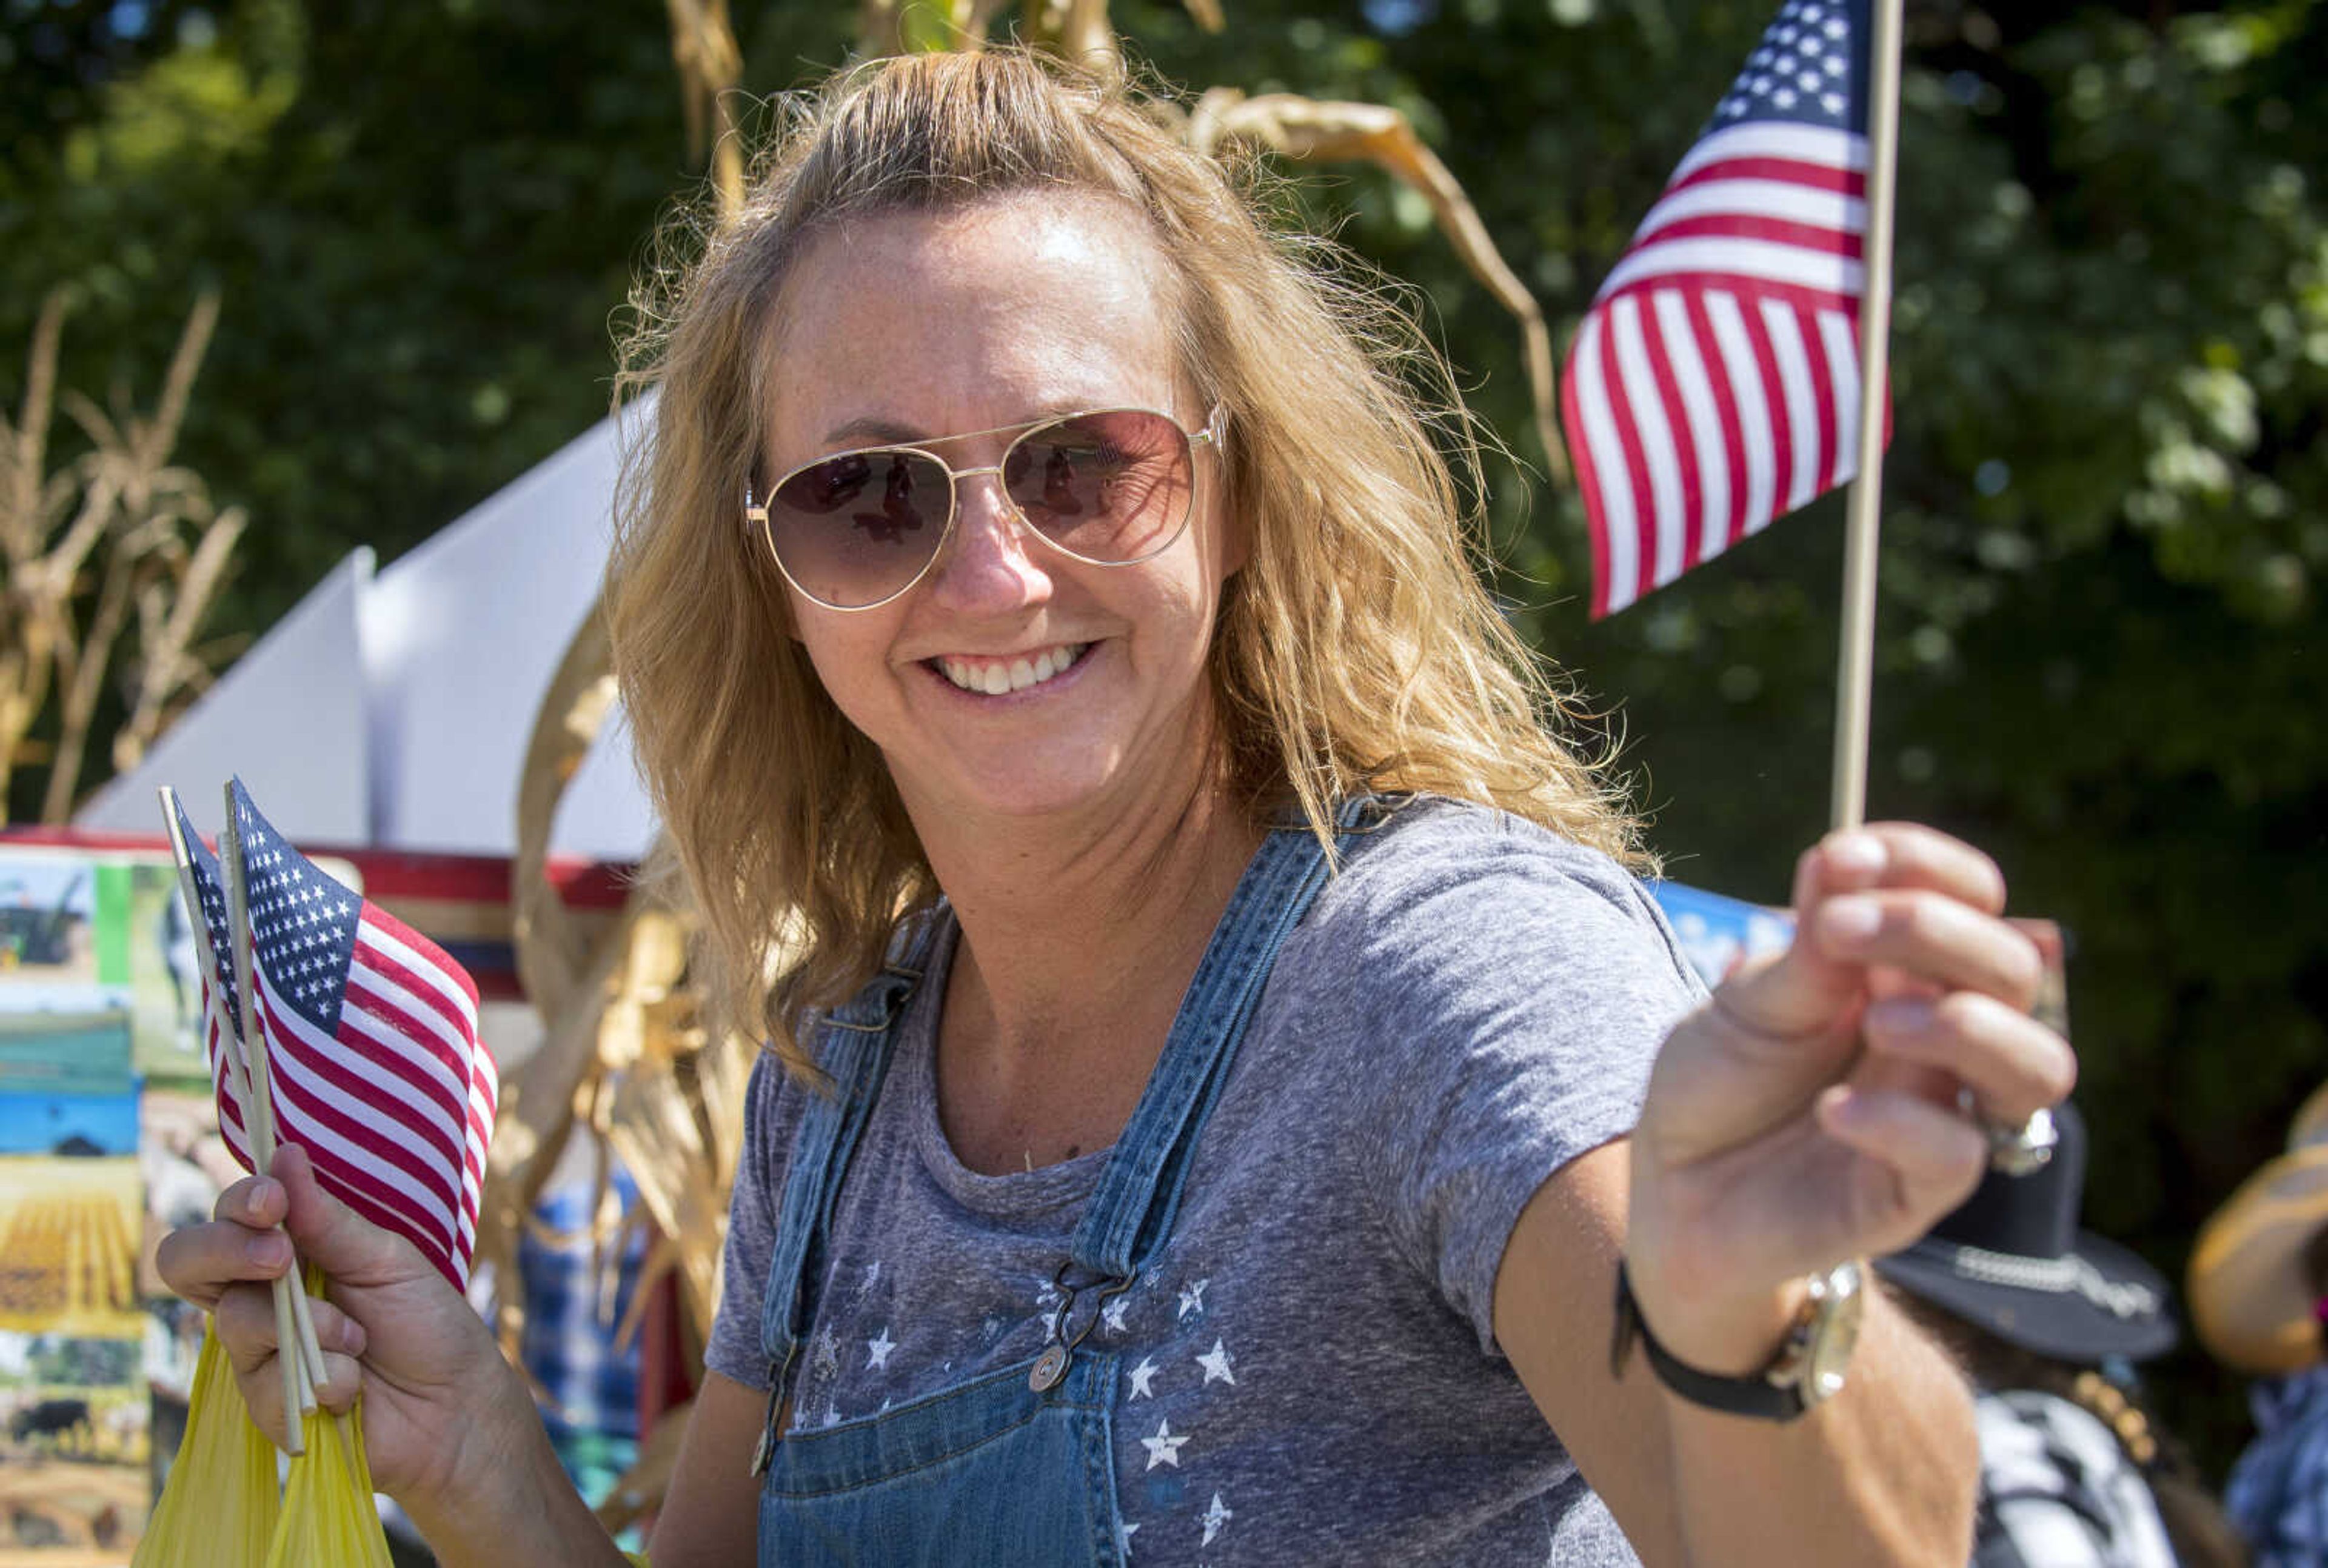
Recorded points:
(1123, 1534)
(1192, 1300)
(1112, 1314)
(877, 1350)
(1217, 1363)
(1215, 1516)
(1142, 1377)
(1163, 1448)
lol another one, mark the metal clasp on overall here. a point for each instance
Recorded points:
(1051, 1366)
(764, 1454)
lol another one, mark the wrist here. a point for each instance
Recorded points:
(1807, 1369)
(493, 1475)
(1728, 1333)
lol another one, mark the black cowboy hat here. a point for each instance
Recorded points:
(2011, 1259)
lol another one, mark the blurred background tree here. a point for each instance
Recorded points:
(2102, 622)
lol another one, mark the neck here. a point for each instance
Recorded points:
(1077, 943)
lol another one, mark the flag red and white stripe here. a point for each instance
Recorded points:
(1714, 383)
(373, 1055)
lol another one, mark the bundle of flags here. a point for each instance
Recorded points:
(370, 1030)
(1714, 383)
(333, 1025)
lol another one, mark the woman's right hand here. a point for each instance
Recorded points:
(441, 1407)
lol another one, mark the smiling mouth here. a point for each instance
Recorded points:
(999, 677)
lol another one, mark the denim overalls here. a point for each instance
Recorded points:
(1015, 1467)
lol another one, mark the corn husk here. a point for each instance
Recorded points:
(220, 1506)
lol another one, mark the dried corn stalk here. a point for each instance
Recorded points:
(159, 544)
(710, 64)
(1309, 129)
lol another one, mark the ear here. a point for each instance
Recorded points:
(1235, 538)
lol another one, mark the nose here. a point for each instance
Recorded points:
(990, 565)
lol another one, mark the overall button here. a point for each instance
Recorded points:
(1049, 1367)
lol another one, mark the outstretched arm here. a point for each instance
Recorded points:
(1805, 1116)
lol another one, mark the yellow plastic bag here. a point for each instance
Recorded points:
(327, 1509)
(328, 1515)
(220, 1506)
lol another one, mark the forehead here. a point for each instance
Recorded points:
(922, 324)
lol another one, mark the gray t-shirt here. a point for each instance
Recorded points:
(1310, 1373)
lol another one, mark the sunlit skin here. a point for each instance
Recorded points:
(1075, 824)
(913, 327)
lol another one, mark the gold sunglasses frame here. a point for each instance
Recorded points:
(1213, 433)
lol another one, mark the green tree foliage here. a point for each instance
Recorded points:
(2101, 626)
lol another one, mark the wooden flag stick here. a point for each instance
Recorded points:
(214, 1004)
(1854, 678)
(297, 1349)
(230, 1045)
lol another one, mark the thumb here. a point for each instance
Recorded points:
(333, 1237)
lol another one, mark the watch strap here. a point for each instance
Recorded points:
(1753, 1395)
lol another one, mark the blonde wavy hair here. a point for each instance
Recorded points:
(1355, 650)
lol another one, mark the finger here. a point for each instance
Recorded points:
(201, 1260)
(2014, 1064)
(343, 1381)
(1931, 937)
(1933, 1157)
(1915, 856)
(335, 1331)
(244, 1322)
(1804, 989)
(333, 1237)
(257, 1201)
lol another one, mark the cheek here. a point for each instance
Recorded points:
(848, 660)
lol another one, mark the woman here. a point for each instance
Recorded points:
(1208, 1195)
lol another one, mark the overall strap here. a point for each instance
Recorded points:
(1139, 1194)
(853, 1044)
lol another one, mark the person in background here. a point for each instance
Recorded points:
(2048, 1319)
(2259, 1279)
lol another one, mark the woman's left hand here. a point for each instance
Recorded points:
(1809, 1112)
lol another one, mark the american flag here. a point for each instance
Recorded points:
(372, 1050)
(217, 982)
(1714, 383)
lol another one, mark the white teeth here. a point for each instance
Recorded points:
(996, 679)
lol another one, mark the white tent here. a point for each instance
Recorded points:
(392, 709)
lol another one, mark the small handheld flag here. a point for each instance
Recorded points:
(372, 1043)
(1715, 384)
(374, 1057)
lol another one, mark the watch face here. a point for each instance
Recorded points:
(1834, 1333)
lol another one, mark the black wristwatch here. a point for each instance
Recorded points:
(1807, 1369)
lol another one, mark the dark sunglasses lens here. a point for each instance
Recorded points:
(855, 528)
(1112, 486)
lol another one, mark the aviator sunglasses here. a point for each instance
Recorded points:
(1111, 487)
